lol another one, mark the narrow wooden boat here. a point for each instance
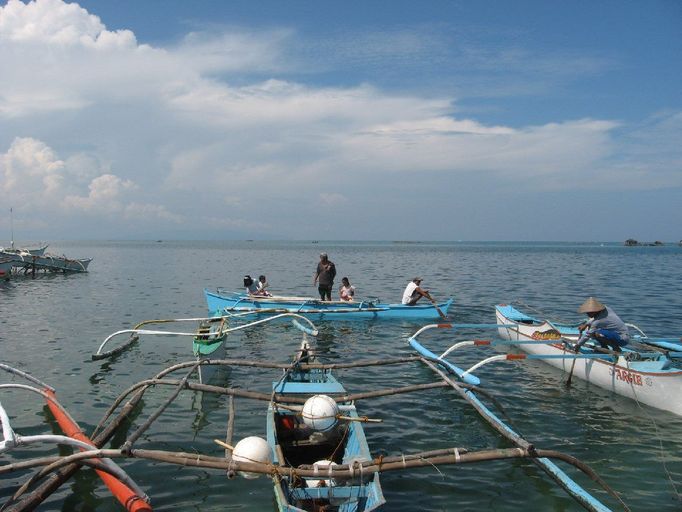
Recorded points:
(209, 341)
(651, 378)
(294, 442)
(226, 302)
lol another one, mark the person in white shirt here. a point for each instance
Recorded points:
(413, 292)
(261, 286)
(346, 290)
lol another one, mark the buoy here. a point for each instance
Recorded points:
(252, 449)
(319, 412)
(322, 465)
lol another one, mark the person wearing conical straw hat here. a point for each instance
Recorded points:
(603, 325)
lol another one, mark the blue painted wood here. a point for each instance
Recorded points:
(232, 302)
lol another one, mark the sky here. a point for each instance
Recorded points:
(316, 120)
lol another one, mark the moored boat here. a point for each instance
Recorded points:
(311, 435)
(227, 302)
(651, 378)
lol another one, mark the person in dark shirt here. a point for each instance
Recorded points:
(324, 277)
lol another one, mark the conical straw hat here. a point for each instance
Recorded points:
(591, 305)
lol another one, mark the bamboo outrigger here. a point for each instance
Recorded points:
(286, 411)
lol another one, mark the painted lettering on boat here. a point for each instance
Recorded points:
(627, 376)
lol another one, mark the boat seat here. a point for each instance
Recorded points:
(514, 314)
(317, 388)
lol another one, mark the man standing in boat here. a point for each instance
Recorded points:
(604, 326)
(413, 292)
(324, 277)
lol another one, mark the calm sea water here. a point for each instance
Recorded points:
(50, 326)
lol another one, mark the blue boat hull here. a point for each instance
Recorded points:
(231, 302)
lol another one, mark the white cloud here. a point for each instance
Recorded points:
(58, 23)
(215, 123)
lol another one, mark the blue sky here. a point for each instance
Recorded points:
(534, 120)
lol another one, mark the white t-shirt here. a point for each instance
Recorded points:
(409, 290)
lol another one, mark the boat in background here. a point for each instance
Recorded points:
(38, 251)
(319, 436)
(649, 377)
(208, 337)
(36, 259)
(226, 302)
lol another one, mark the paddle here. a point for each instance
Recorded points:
(442, 315)
(570, 374)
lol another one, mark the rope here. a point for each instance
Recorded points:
(657, 436)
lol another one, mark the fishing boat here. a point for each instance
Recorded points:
(29, 262)
(315, 436)
(314, 450)
(649, 377)
(225, 302)
(208, 338)
(37, 251)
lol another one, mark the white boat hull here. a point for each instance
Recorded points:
(649, 382)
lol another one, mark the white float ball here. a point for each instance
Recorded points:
(322, 465)
(319, 412)
(252, 449)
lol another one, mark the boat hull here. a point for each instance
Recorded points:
(654, 383)
(225, 303)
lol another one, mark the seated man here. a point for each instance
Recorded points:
(413, 292)
(603, 325)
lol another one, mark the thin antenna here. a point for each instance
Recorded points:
(11, 223)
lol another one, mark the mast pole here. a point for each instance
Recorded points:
(11, 223)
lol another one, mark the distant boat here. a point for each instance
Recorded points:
(39, 251)
(37, 260)
(631, 242)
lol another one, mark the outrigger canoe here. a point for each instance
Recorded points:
(222, 303)
(650, 377)
(296, 436)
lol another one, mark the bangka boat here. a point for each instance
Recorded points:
(29, 261)
(37, 251)
(315, 450)
(226, 302)
(648, 376)
(315, 436)
(208, 337)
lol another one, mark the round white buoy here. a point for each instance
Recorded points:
(322, 466)
(319, 412)
(252, 449)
